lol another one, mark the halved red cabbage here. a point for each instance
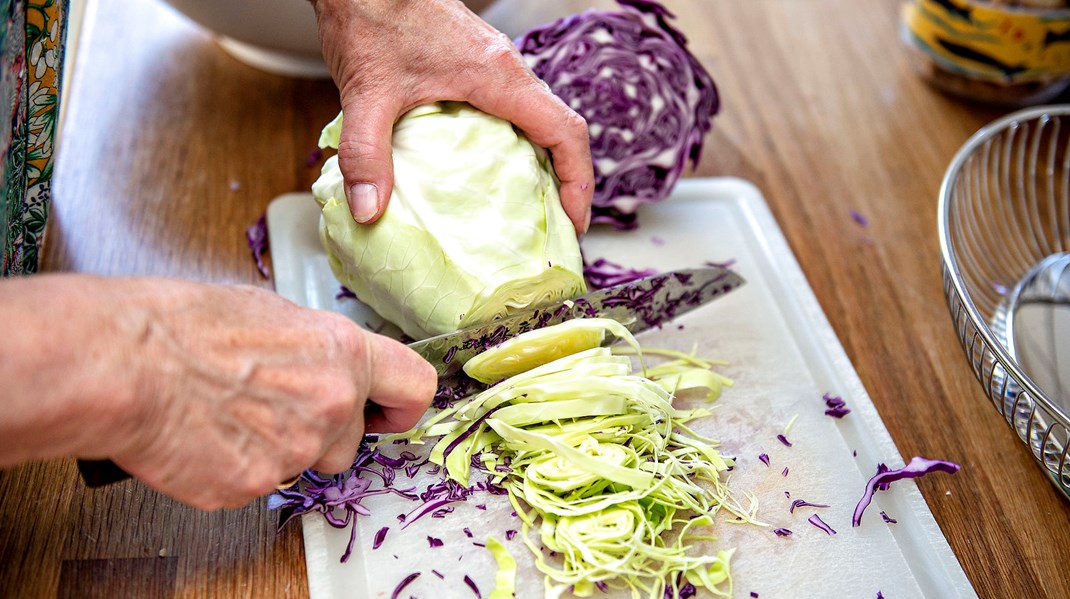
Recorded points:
(918, 466)
(648, 101)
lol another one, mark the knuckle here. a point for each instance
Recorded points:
(257, 482)
(500, 53)
(358, 150)
(576, 124)
(338, 403)
(333, 463)
(304, 450)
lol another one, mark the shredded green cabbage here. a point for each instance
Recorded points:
(603, 470)
(474, 229)
(505, 579)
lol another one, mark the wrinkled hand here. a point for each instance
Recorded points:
(388, 56)
(242, 389)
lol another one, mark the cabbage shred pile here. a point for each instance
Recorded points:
(647, 100)
(612, 486)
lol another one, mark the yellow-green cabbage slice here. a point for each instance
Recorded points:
(474, 229)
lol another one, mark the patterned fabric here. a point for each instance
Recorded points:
(31, 44)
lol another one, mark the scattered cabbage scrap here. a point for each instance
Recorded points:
(918, 466)
(601, 468)
(648, 101)
(474, 229)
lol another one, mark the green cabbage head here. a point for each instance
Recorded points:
(474, 229)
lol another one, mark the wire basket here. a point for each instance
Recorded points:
(1004, 207)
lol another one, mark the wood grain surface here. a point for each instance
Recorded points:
(171, 148)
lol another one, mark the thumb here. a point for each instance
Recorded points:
(364, 156)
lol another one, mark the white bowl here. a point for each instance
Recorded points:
(277, 36)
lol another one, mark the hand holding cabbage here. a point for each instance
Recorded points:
(389, 56)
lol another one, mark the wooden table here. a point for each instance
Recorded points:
(171, 148)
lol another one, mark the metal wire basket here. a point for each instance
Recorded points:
(1004, 207)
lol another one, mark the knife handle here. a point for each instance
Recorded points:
(100, 473)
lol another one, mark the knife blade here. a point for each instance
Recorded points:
(638, 305)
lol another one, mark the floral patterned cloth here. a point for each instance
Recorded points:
(31, 45)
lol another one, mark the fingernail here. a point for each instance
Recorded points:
(587, 220)
(363, 201)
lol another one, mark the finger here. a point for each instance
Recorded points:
(549, 122)
(339, 455)
(402, 388)
(364, 154)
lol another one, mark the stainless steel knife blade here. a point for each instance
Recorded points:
(638, 305)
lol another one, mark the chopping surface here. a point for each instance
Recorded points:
(783, 358)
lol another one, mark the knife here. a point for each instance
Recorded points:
(638, 305)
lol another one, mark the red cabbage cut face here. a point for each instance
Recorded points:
(648, 101)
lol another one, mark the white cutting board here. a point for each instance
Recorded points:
(783, 357)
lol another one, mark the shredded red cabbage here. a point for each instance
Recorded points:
(509, 534)
(836, 407)
(859, 218)
(602, 273)
(339, 497)
(887, 518)
(764, 458)
(380, 536)
(433, 542)
(682, 589)
(818, 522)
(783, 440)
(345, 293)
(726, 264)
(648, 101)
(918, 466)
(782, 532)
(753, 594)
(441, 513)
(343, 493)
(314, 157)
(256, 235)
(802, 503)
(452, 390)
(404, 583)
(472, 585)
(784, 472)
(439, 574)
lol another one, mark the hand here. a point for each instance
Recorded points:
(389, 56)
(211, 394)
(247, 389)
